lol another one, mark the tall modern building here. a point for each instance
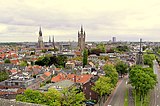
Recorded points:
(40, 39)
(81, 39)
(113, 39)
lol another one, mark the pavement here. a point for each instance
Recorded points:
(155, 94)
(118, 95)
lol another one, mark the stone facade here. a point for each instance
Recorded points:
(40, 39)
(81, 39)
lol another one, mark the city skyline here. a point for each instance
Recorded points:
(102, 20)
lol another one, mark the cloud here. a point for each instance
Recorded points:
(102, 19)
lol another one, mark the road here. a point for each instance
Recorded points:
(155, 99)
(118, 95)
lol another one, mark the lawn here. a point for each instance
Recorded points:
(140, 103)
(126, 98)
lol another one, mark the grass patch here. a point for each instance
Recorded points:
(126, 98)
(141, 103)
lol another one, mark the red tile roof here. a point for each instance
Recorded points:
(79, 78)
(57, 69)
(15, 61)
(13, 71)
(58, 78)
(47, 74)
(84, 78)
(78, 53)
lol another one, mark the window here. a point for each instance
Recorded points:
(90, 98)
(16, 83)
(90, 93)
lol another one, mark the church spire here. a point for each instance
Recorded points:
(84, 33)
(81, 29)
(40, 32)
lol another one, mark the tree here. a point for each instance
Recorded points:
(77, 58)
(52, 97)
(121, 67)
(102, 47)
(7, 61)
(32, 53)
(61, 61)
(85, 57)
(43, 61)
(103, 58)
(148, 59)
(23, 63)
(103, 86)
(96, 51)
(46, 60)
(73, 97)
(110, 71)
(3, 75)
(31, 96)
(44, 51)
(122, 48)
(143, 79)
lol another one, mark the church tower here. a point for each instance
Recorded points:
(40, 39)
(53, 43)
(81, 39)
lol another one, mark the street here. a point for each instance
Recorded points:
(154, 100)
(117, 98)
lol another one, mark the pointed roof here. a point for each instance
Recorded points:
(84, 33)
(40, 32)
(81, 28)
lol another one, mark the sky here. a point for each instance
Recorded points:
(127, 20)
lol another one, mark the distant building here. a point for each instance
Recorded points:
(53, 43)
(49, 39)
(113, 39)
(40, 39)
(81, 39)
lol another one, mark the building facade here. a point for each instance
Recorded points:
(40, 39)
(113, 39)
(81, 39)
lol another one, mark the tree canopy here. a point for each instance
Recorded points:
(123, 48)
(58, 61)
(7, 61)
(110, 71)
(72, 97)
(85, 57)
(143, 79)
(148, 59)
(53, 97)
(100, 48)
(103, 86)
(23, 63)
(3, 75)
(121, 67)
